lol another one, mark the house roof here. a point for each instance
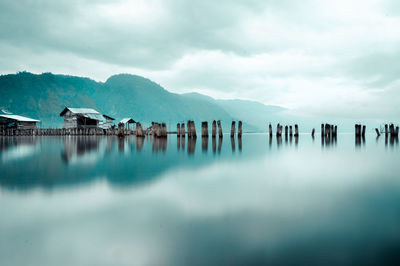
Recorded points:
(109, 117)
(127, 120)
(85, 112)
(79, 111)
(19, 118)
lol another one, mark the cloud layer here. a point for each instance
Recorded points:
(336, 58)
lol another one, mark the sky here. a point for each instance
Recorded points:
(335, 58)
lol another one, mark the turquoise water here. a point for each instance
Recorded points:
(258, 201)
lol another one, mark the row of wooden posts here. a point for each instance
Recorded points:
(328, 131)
(191, 129)
(389, 129)
(288, 130)
(160, 130)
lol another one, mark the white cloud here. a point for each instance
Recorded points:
(328, 57)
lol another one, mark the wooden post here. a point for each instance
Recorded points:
(178, 129)
(377, 132)
(270, 130)
(139, 130)
(322, 130)
(327, 130)
(313, 132)
(189, 130)
(240, 129)
(164, 132)
(214, 129)
(391, 129)
(183, 129)
(193, 129)
(296, 130)
(204, 129)
(286, 131)
(278, 128)
(219, 128)
(363, 130)
(358, 130)
(290, 130)
(386, 129)
(233, 128)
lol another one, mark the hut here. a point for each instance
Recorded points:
(127, 121)
(82, 118)
(17, 122)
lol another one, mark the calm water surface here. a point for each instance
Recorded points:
(109, 201)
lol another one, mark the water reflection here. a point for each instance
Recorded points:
(160, 206)
(359, 141)
(139, 143)
(16, 148)
(204, 144)
(191, 145)
(392, 140)
(87, 158)
(214, 144)
(328, 141)
(233, 144)
(219, 144)
(83, 149)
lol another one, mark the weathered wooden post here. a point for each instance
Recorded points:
(204, 129)
(386, 129)
(363, 131)
(322, 130)
(219, 128)
(183, 130)
(378, 134)
(164, 132)
(313, 132)
(189, 129)
(391, 129)
(397, 131)
(296, 130)
(286, 131)
(290, 131)
(178, 129)
(193, 130)
(358, 130)
(335, 131)
(158, 130)
(139, 130)
(214, 129)
(270, 130)
(278, 128)
(327, 130)
(233, 128)
(240, 129)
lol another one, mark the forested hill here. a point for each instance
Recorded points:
(44, 96)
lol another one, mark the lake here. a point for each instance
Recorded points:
(257, 201)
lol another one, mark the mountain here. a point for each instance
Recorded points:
(44, 96)
(254, 113)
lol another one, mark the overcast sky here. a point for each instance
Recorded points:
(337, 57)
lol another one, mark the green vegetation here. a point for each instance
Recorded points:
(44, 96)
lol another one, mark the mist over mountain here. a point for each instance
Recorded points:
(44, 96)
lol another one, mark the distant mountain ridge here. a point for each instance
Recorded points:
(43, 96)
